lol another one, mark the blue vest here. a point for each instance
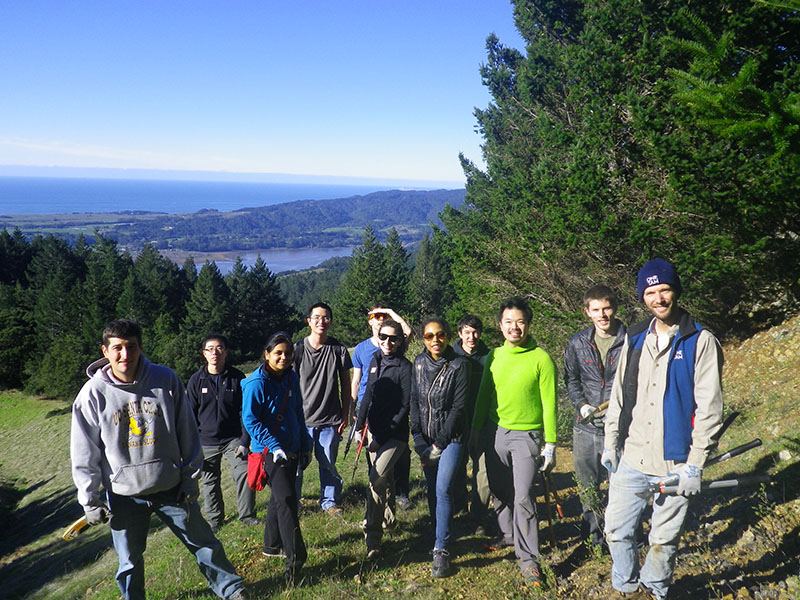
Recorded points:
(679, 404)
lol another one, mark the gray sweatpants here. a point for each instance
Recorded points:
(511, 482)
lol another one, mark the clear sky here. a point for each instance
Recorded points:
(376, 89)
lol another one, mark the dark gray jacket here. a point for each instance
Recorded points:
(587, 380)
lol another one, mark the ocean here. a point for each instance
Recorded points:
(63, 195)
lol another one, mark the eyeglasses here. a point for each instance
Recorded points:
(318, 318)
(385, 336)
(379, 316)
(439, 335)
(214, 349)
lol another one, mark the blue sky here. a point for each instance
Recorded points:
(380, 89)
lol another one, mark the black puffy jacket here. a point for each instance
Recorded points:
(587, 380)
(438, 398)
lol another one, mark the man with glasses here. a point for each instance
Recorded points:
(323, 365)
(362, 356)
(518, 397)
(215, 395)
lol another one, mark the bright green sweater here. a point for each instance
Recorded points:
(518, 390)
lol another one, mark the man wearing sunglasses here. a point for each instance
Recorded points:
(362, 356)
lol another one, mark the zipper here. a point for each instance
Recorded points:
(430, 389)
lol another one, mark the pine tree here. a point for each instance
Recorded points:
(431, 280)
(363, 285)
(396, 290)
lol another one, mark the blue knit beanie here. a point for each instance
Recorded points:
(656, 272)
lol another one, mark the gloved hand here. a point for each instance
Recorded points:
(279, 456)
(690, 478)
(240, 452)
(304, 460)
(586, 410)
(190, 490)
(610, 460)
(96, 515)
(549, 455)
(434, 454)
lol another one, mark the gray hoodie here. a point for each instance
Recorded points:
(132, 438)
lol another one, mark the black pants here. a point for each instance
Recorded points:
(283, 524)
(402, 474)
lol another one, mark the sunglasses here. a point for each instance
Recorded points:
(379, 316)
(385, 336)
(439, 335)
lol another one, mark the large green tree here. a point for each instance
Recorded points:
(593, 167)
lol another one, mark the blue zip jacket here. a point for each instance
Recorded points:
(679, 402)
(262, 398)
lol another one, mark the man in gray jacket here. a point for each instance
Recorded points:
(135, 451)
(590, 362)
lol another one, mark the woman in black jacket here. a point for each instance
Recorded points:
(384, 411)
(438, 424)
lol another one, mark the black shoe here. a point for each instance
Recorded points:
(441, 563)
(250, 521)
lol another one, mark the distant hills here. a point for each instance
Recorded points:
(299, 224)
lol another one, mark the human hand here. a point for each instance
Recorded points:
(434, 454)
(420, 445)
(610, 460)
(549, 455)
(95, 515)
(240, 452)
(689, 480)
(374, 446)
(279, 456)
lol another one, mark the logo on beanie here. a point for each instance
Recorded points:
(652, 280)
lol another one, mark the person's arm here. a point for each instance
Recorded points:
(256, 417)
(355, 383)
(344, 380)
(572, 376)
(405, 395)
(707, 396)
(86, 453)
(614, 409)
(407, 330)
(455, 421)
(548, 392)
(187, 433)
(366, 401)
(306, 443)
(244, 439)
(486, 393)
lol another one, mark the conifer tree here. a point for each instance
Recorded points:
(396, 290)
(431, 280)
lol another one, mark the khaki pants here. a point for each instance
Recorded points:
(381, 486)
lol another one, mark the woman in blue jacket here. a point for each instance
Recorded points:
(272, 412)
(438, 423)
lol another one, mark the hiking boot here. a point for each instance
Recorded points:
(532, 576)
(441, 563)
(238, 595)
(251, 521)
(273, 552)
(334, 512)
(373, 552)
(403, 502)
(498, 544)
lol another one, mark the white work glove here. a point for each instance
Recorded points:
(610, 460)
(586, 410)
(240, 452)
(434, 454)
(549, 455)
(690, 478)
(279, 456)
(96, 515)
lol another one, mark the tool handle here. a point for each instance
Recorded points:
(724, 483)
(733, 452)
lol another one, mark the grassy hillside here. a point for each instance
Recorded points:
(741, 544)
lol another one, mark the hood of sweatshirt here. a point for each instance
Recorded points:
(101, 370)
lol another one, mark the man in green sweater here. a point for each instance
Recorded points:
(518, 396)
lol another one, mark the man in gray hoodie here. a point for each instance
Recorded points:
(135, 451)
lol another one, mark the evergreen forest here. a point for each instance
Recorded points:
(623, 131)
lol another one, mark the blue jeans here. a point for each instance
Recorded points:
(130, 522)
(622, 517)
(440, 477)
(587, 448)
(326, 449)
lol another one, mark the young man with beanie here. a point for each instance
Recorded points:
(518, 396)
(665, 408)
(590, 362)
(215, 395)
(135, 452)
